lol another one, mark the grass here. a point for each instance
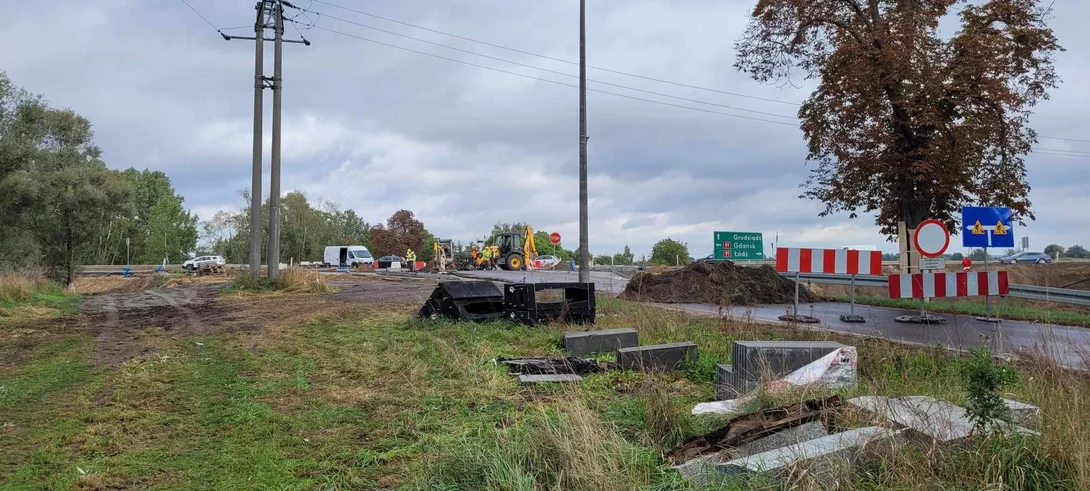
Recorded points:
(1013, 309)
(291, 280)
(380, 400)
(28, 294)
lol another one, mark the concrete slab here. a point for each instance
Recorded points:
(587, 342)
(823, 456)
(938, 420)
(657, 356)
(753, 360)
(701, 470)
(538, 379)
(1024, 414)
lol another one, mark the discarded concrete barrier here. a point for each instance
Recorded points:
(546, 366)
(464, 300)
(700, 470)
(924, 416)
(585, 343)
(823, 456)
(753, 361)
(657, 356)
(1024, 414)
(554, 377)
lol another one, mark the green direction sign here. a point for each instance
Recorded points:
(739, 246)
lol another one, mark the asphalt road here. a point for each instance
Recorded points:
(1069, 346)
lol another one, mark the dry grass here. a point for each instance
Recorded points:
(18, 286)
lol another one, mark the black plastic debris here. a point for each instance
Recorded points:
(545, 366)
(535, 303)
(464, 300)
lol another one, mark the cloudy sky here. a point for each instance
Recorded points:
(377, 128)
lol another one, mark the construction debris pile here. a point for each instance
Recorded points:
(482, 300)
(720, 283)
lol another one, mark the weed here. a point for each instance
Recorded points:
(291, 280)
(29, 292)
(984, 378)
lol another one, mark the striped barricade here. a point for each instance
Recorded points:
(939, 285)
(829, 261)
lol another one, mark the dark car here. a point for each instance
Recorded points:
(385, 261)
(710, 258)
(1026, 257)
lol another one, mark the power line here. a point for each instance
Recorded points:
(561, 60)
(1064, 152)
(474, 53)
(1064, 139)
(433, 55)
(206, 21)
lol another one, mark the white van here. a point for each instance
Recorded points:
(350, 256)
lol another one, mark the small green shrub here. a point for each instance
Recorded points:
(983, 379)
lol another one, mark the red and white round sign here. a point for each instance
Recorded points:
(931, 238)
(554, 238)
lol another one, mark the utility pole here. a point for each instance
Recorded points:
(255, 183)
(584, 248)
(266, 10)
(274, 179)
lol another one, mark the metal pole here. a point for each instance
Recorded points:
(796, 294)
(852, 307)
(584, 229)
(274, 180)
(255, 185)
(987, 298)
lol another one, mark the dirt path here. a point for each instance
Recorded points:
(128, 324)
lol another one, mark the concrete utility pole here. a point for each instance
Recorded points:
(274, 184)
(255, 183)
(267, 10)
(584, 247)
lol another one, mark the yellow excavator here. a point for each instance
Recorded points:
(512, 250)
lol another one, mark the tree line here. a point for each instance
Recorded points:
(60, 206)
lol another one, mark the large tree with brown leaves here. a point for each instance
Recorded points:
(907, 123)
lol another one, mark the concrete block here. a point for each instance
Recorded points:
(925, 416)
(822, 456)
(585, 343)
(799, 434)
(555, 377)
(753, 360)
(1024, 414)
(701, 469)
(657, 356)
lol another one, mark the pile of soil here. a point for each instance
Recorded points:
(721, 283)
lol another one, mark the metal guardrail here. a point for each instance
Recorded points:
(1028, 292)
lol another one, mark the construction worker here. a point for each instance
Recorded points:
(495, 254)
(486, 258)
(410, 257)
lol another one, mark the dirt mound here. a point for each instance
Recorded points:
(719, 283)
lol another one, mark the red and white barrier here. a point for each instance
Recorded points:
(939, 285)
(830, 261)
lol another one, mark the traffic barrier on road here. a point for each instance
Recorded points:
(940, 285)
(831, 261)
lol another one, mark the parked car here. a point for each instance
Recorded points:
(386, 261)
(1026, 257)
(548, 260)
(196, 262)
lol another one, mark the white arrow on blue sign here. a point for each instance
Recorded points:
(986, 227)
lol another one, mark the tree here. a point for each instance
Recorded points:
(401, 232)
(669, 252)
(957, 256)
(1078, 252)
(1054, 250)
(906, 123)
(624, 258)
(978, 255)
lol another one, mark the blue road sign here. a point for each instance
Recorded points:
(986, 227)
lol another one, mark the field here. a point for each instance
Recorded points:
(193, 387)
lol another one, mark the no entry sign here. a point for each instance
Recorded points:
(554, 238)
(931, 238)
